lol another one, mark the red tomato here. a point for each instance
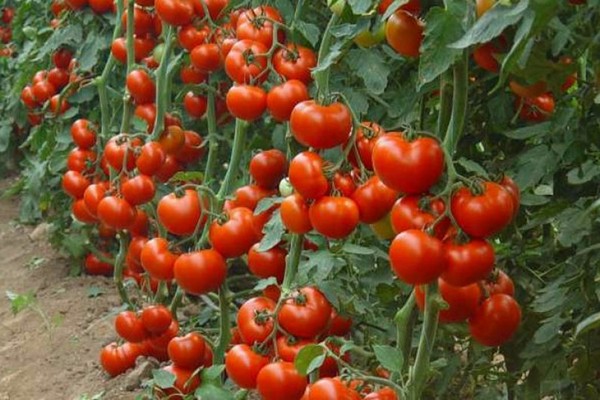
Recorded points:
(306, 314)
(143, 22)
(462, 301)
(62, 58)
(175, 12)
(190, 36)
(330, 389)
(334, 217)
(374, 200)
(59, 78)
(536, 109)
(243, 365)
(408, 214)
(282, 98)
(365, 141)
(81, 213)
(404, 33)
(157, 344)
(157, 260)
(247, 62)
(93, 194)
(81, 160)
(268, 167)
(134, 252)
(195, 105)
(169, 168)
(340, 325)
(200, 272)
(138, 190)
(142, 47)
(468, 262)
(28, 97)
(496, 320)
(180, 214)
(117, 359)
(207, 57)
(236, 236)
(192, 148)
(247, 196)
(172, 139)
(295, 215)
(408, 167)
(513, 189)
(141, 87)
(484, 57)
(320, 126)
(156, 319)
(93, 266)
(187, 351)
(306, 175)
(119, 152)
(186, 381)
(130, 327)
(382, 394)
(58, 105)
(151, 158)
(116, 212)
(192, 75)
(528, 91)
(75, 184)
(255, 320)
(280, 380)
(43, 91)
(267, 263)
(101, 6)
(140, 224)
(416, 257)
(83, 136)
(255, 25)
(295, 62)
(215, 8)
(499, 282)
(246, 102)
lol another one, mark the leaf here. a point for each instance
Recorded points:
(590, 323)
(89, 52)
(441, 29)
(212, 373)
(309, 358)
(584, 173)
(212, 392)
(5, 134)
(358, 101)
(360, 6)
(265, 283)
(19, 302)
(492, 24)
(163, 379)
(94, 291)
(311, 32)
(273, 230)
(472, 166)
(528, 132)
(187, 176)
(356, 249)
(330, 59)
(390, 357)
(266, 203)
(370, 67)
(70, 34)
(393, 8)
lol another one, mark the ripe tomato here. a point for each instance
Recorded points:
(75, 184)
(62, 58)
(334, 217)
(382, 394)
(295, 62)
(247, 196)
(175, 12)
(408, 167)
(404, 33)
(499, 282)
(207, 57)
(138, 190)
(119, 152)
(130, 327)
(468, 262)
(295, 215)
(496, 320)
(236, 236)
(200, 272)
(330, 389)
(484, 57)
(343, 184)
(268, 167)
(255, 25)
(151, 158)
(192, 148)
(215, 8)
(187, 351)
(58, 105)
(93, 266)
(280, 380)
(180, 214)
(172, 139)
(265, 264)
(306, 314)
(43, 91)
(116, 212)
(195, 105)
(246, 102)
(83, 136)
(282, 98)
(416, 257)
(156, 319)
(141, 86)
(169, 168)
(482, 6)
(142, 47)
(140, 224)
(365, 141)
(93, 194)
(320, 126)
(143, 22)
(192, 75)
(134, 252)
(157, 344)
(157, 260)
(190, 36)
(415, 212)
(117, 359)
(101, 6)
(340, 325)
(374, 200)
(243, 365)
(28, 97)
(59, 78)
(81, 160)
(255, 320)
(186, 380)
(462, 301)
(247, 62)
(482, 215)
(536, 109)
(306, 175)
(81, 213)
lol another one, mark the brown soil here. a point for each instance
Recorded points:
(49, 351)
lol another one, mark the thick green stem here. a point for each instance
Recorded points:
(404, 319)
(292, 261)
(119, 267)
(127, 104)
(239, 140)
(211, 118)
(445, 104)
(459, 104)
(162, 84)
(322, 76)
(224, 326)
(177, 299)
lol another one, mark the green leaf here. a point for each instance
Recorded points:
(356, 249)
(163, 379)
(584, 173)
(212, 373)
(19, 302)
(360, 6)
(311, 32)
(472, 167)
(212, 392)
(530, 131)
(370, 67)
(390, 357)
(590, 323)
(309, 358)
(266, 203)
(393, 8)
(273, 230)
(187, 176)
(330, 59)
(265, 283)
(5, 134)
(89, 52)
(441, 29)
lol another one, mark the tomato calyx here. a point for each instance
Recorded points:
(299, 299)
(262, 317)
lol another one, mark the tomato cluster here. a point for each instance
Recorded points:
(6, 16)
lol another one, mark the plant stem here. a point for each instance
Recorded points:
(322, 76)
(224, 328)
(212, 138)
(292, 261)
(162, 84)
(459, 104)
(404, 320)
(176, 302)
(239, 140)
(127, 104)
(445, 104)
(119, 266)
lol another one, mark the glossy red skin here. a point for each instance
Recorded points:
(416, 257)
(134, 252)
(340, 325)
(28, 97)
(181, 215)
(200, 272)
(289, 347)
(408, 167)
(130, 327)
(282, 98)
(187, 351)
(143, 22)
(243, 365)
(141, 86)
(190, 74)
(190, 36)
(151, 158)
(207, 57)
(406, 214)
(253, 329)
(514, 191)
(250, 25)
(156, 319)
(501, 284)
(169, 168)
(248, 196)
(267, 263)
(239, 70)
(93, 266)
(195, 105)
(308, 319)
(101, 6)
(484, 57)
(80, 160)
(536, 109)
(246, 102)
(75, 184)
(382, 394)
(82, 134)
(157, 260)
(157, 344)
(268, 167)
(142, 47)
(330, 389)
(482, 216)
(185, 381)
(280, 380)
(138, 190)
(306, 175)
(43, 91)
(234, 237)
(496, 320)
(295, 215)
(59, 78)
(462, 301)
(116, 212)
(172, 139)
(334, 217)
(374, 200)
(404, 33)
(58, 106)
(175, 12)
(365, 141)
(119, 152)
(117, 359)
(469, 262)
(81, 213)
(320, 126)
(140, 224)
(295, 62)
(192, 148)
(62, 58)
(215, 8)
(344, 184)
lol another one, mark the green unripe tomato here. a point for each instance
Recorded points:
(285, 187)
(158, 52)
(369, 38)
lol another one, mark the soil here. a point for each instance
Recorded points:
(50, 349)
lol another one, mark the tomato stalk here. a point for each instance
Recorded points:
(119, 266)
(224, 325)
(405, 319)
(322, 76)
(459, 104)
(239, 140)
(212, 138)
(127, 104)
(292, 262)
(162, 84)
(445, 104)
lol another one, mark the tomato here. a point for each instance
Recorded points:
(246, 102)
(267, 263)
(462, 300)
(365, 141)
(83, 136)
(246, 62)
(117, 359)
(247, 196)
(8, 14)
(374, 200)
(268, 167)
(404, 33)
(528, 91)
(416, 257)
(143, 22)
(255, 320)
(334, 217)
(485, 214)
(469, 262)
(130, 327)
(62, 58)
(59, 78)
(180, 214)
(200, 272)
(190, 36)
(295, 214)
(190, 74)
(305, 314)
(186, 381)
(382, 394)
(151, 158)
(482, 6)
(94, 266)
(499, 282)
(116, 212)
(370, 37)
(496, 320)
(134, 252)
(320, 126)
(343, 184)
(408, 167)
(340, 325)
(141, 86)
(280, 380)
(43, 91)
(195, 105)
(119, 152)
(143, 46)
(207, 57)
(536, 109)
(28, 97)
(243, 365)
(81, 213)
(101, 6)
(187, 351)
(282, 98)
(58, 105)
(192, 148)
(415, 212)
(255, 25)
(169, 168)
(295, 62)
(75, 184)
(57, 7)
(138, 190)
(175, 12)
(157, 344)
(157, 260)
(140, 224)
(172, 139)
(484, 57)
(156, 319)
(306, 175)
(81, 160)
(236, 236)
(330, 389)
